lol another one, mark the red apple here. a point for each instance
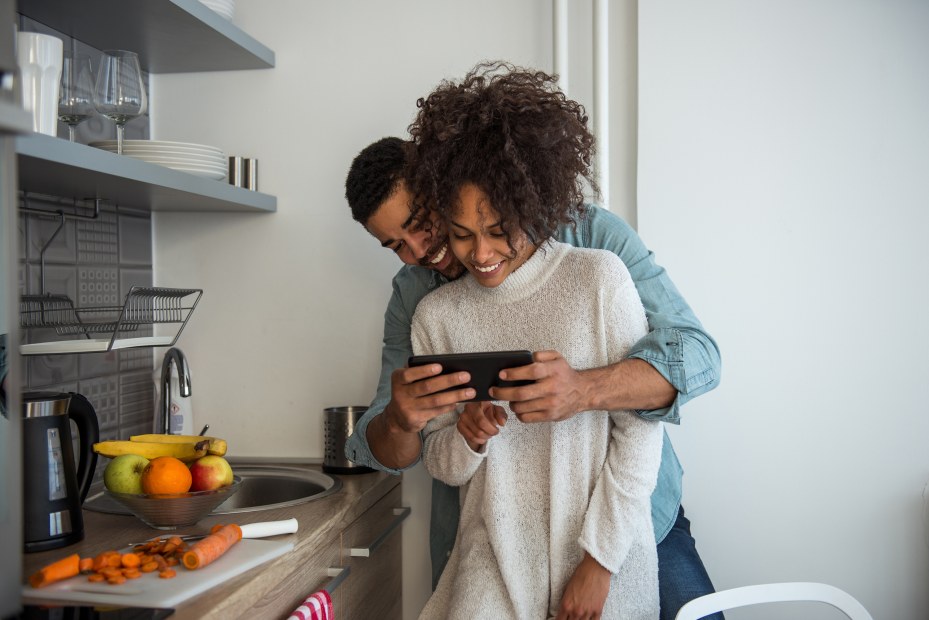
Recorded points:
(209, 473)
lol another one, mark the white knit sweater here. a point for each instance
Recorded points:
(541, 494)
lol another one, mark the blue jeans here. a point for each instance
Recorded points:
(681, 574)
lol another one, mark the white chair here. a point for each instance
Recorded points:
(773, 593)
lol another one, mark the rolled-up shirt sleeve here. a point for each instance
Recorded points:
(677, 345)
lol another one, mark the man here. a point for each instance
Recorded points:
(675, 362)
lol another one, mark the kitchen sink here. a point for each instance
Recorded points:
(277, 486)
(264, 486)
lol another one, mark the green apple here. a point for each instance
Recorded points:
(210, 472)
(123, 474)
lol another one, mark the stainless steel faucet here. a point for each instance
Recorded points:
(183, 374)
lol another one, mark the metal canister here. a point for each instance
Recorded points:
(236, 171)
(338, 425)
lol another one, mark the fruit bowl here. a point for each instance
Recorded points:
(168, 512)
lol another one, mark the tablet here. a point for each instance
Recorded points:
(484, 368)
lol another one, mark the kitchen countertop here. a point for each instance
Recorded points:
(319, 521)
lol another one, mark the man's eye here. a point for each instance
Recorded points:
(396, 249)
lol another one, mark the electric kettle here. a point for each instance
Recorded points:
(52, 490)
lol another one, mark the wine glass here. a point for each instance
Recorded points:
(75, 101)
(119, 93)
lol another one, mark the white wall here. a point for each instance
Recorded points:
(783, 181)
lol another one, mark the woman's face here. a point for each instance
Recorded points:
(478, 241)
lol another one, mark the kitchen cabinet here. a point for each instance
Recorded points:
(372, 550)
(170, 36)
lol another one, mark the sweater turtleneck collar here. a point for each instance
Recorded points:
(525, 280)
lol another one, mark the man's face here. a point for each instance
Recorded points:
(392, 224)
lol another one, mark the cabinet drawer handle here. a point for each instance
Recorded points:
(365, 552)
(338, 576)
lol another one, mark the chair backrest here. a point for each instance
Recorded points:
(773, 593)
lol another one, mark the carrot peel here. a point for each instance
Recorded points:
(64, 568)
(212, 547)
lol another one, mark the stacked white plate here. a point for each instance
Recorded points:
(198, 159)
(226, 8)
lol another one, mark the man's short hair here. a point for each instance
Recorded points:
(373, 176)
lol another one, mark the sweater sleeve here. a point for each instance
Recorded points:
(619, 510)
(446, 454)
(620, 505)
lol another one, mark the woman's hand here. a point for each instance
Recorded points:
(478, 422)
(586, 592)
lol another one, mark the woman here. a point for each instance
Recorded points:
(555, 517)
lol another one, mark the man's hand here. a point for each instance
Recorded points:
(558, 393)
(586, 592)
(417, 396)
(479, 422)
(393, 436)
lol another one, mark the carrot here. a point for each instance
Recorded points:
(116, 580)
(95, 578)
(129, 560)
(101, 561)
(168, 573)
(56, 571)
(212, 547)
(149, 566)
(86, 565)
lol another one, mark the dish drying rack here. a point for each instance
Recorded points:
(121, 325)
(103, 328)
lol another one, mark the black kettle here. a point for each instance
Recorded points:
(52, 491)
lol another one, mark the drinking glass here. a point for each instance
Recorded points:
(76, 98)
(119, 93)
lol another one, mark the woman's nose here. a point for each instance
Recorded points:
(482, 250)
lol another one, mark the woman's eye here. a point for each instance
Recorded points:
(498, 235)
(460, 236)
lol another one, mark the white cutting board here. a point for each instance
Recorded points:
(151, 591)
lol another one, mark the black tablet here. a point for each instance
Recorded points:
(484, 368)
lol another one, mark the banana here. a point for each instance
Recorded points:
(217, 445)
(187, 452)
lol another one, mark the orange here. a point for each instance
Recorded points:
(165, 474)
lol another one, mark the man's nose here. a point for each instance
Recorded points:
(419, 245)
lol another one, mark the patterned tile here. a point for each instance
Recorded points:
(135, 240)
(41, 229)
(94, 365)
(98, 286)
(136, 400)
(103, 394)
(97, 239)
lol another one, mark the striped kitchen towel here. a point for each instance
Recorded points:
(317, 606)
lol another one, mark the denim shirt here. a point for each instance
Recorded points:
(676, 346)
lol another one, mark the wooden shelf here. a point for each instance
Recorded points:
(54, 166)
(170, 36)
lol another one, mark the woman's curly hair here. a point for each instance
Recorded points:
(511, 132)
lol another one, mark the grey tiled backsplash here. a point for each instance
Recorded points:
(94, 262)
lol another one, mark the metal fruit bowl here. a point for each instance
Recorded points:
(168, 512)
